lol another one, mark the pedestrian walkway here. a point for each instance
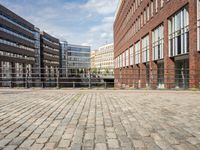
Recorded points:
(99, 119)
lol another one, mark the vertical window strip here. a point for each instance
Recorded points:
(145, 49)
(157, 43)
(198, 25)
(178, 33)
(137, 52)
(131, 55)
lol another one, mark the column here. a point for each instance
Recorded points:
(169, 65)
(13, 74)
(130, 76)
(24, 74)
(152, 65)
(142, 83)
(194, 56)
(136, 76)
(1, 75)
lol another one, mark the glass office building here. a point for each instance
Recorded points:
(75, 59)
(17, 48)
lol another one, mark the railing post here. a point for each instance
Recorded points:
(89, 79)
(27, 74)
(74, 84)
(57, 79)
(11, 84)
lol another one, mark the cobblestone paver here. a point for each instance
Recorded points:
(100, 120)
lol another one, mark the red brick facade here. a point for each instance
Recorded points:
(124, 38)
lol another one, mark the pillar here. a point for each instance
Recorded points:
(152, 65)
(13, 74)
(194, 55)
(1, 75)
(169, 65)
(136, 76)
(24, 75)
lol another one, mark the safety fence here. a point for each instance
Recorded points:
(102, 78)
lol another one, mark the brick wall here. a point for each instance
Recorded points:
(171, 7)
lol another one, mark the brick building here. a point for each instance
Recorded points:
(157, 43)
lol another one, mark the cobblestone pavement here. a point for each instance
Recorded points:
(98, 119)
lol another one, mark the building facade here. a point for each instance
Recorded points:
(157, 43)
(75, 59)
(18, 48)
(50, 49)
(93, 59)
(104, 59)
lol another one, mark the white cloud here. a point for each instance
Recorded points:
(101, 6)
(87, 23)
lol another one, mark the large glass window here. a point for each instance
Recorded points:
(131, 55)
(145, 49)
(137, 52)
(157, 42)
(124, 59)
(127, 57)
(179, 33)
(152, 8)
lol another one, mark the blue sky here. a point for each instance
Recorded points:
(85, 22)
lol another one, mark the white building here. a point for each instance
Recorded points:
(103, 59)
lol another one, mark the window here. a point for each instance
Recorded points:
(179, 33)
(144, 19)
(137, 52)
(145, 49)
(124, 59)
(120, 61)
(198, 25)
(157, 42)
(156, 6)
(127, 58)
(152, 8)
(161, 3)
(131, 55)
(148, 13)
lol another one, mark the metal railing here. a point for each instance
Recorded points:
(88, 78)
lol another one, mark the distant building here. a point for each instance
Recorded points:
(93, 58)
(75, 59)
(19, 48)
(103, 59)
(28, 55)
(50, 48)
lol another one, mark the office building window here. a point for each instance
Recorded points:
(124, 59)
(161, 3)
(145, 49)
(120, 60)
(156, 5)
(131, 55)
(137, 52)
(148, 13)
(157, 42)
(127, 57)
(179, 33)
(152, 8)
(198, 25)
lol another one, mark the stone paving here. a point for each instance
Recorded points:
(100, 120)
